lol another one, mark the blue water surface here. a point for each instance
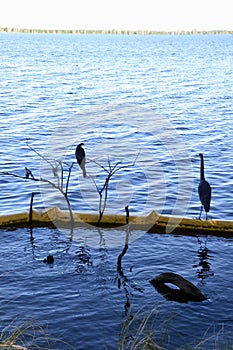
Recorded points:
(149, 104)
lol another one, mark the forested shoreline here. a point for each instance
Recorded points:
(112, 31)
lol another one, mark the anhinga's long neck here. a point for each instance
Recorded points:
(202, 175)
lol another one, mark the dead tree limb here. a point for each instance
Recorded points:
(111, 170)
(57, 167)
(120, 256)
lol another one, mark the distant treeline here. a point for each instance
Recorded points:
(112, 31)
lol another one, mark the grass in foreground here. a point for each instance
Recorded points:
(139, 332)
(29, 335)
(145, 333)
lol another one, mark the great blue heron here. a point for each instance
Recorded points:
(81, 159)
(204, 189)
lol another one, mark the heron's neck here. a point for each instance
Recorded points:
(202, 175)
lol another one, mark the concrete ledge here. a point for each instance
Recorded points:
(152, 223)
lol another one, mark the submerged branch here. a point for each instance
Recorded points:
(30, 214)
(120, 256)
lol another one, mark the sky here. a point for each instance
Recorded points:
(117, 14)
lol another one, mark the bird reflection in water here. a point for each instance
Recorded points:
(204, 265)
(83, 260)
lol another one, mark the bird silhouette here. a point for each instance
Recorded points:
(204, 189)
(81, 159)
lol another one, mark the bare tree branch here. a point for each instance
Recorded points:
(68, 178)
(111, 170)
(59, 174)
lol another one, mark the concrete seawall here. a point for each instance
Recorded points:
(152, 223)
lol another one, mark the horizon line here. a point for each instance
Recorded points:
(113, 30)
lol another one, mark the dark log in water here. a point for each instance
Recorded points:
(186, 292)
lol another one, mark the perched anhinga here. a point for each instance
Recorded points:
(80, 156)
(204, 189)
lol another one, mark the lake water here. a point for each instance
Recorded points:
(156, 101)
